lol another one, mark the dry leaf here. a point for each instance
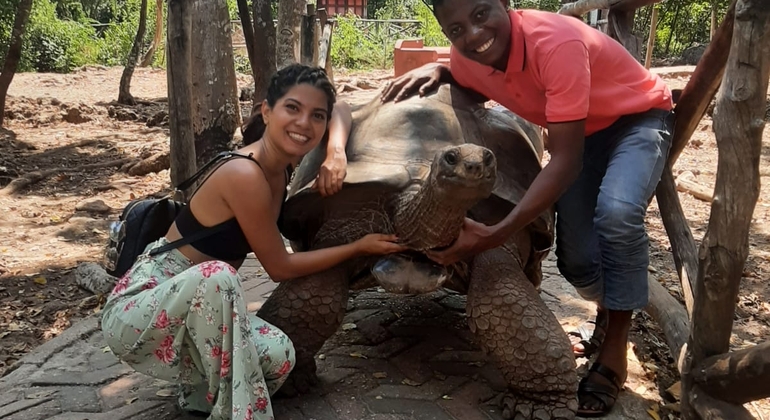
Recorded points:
(131, 400)
(675, 391)
(40, 280)
(359, 355)
(653, 413)
(106, 349)
(348, 326)
(4, 333)
(410, 382)
(446, 397)
(14, 327)
(166, 392)
(380, 375)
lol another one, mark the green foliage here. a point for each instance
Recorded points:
(359, 46)
(55, 45)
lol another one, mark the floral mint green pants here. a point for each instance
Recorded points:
(188, 324)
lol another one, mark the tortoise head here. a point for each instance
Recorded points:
(466, 172)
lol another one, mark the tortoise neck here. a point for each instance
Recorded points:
(430, 218)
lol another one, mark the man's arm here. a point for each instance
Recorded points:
(565, 144)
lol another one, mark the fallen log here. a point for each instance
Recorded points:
(670, 315)
(709, 408)
(686, 183)
(738, 377)
(25, 181)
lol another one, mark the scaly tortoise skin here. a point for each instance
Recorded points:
(417, 168)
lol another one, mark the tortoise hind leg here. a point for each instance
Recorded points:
(309, 310)
(512, 324)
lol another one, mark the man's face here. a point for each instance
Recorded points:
(480, 29)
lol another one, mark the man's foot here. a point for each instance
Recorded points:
(588, 338)
(598, 391)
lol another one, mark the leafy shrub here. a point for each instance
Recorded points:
(54, 45)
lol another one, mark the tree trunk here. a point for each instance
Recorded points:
(738, 377)
(264, 48)
(179, 58)
(14, 52)
(289, 23)
(248, 31)
(124, 93)
(216, 111)
(621, 28)
(158, 36)
(702, 86)
(738, 124)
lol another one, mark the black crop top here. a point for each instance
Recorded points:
(229, 244)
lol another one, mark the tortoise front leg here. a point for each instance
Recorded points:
(309, 310)
(513, 325)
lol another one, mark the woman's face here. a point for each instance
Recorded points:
(298, 121)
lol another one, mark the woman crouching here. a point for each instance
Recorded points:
(180, 316)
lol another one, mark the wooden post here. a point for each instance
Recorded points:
(324, 49)
(288, 33)
(180, 91)
(738, 124)
(308, 36)
(651, 38)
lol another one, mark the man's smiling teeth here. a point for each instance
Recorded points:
(299, 137)
(486, 46)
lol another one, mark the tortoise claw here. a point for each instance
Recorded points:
(516, 407)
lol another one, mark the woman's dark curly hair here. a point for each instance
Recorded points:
(281, 82)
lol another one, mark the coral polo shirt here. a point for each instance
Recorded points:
(561, 69)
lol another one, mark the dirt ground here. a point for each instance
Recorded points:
(68, 165)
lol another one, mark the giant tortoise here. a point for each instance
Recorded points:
(417, 168)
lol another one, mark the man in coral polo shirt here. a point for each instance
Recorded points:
(609, 124)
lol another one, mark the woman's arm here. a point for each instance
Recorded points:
(247, 192)
(333, 170)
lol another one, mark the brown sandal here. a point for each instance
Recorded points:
(606, 394)
(591, 334)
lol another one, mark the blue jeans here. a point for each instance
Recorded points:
(601, 241)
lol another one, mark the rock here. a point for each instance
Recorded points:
(94, 206)
(247, 93)
(92, 277)
(75, 116)
(159, 119)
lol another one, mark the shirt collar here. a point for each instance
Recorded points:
(516, 57)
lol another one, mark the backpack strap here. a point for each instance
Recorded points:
(209, 231)
(203, 169)
(203, 233)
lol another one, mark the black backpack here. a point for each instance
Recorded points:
(145, 220)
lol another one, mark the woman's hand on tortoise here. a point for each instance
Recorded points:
(331, 174)
(379, 244)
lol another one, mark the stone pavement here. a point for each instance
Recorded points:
(395, 357)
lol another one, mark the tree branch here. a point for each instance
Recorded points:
(738, 377)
